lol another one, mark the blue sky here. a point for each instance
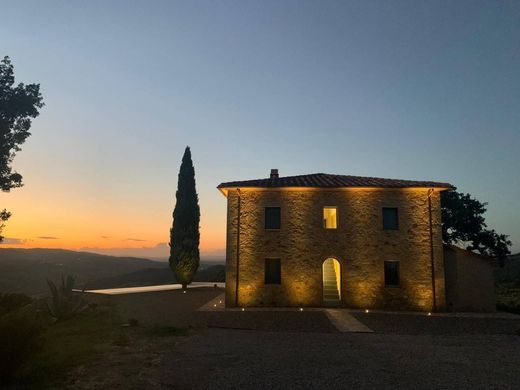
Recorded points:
(411, 90)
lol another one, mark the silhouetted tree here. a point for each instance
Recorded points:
(18, 104)
(463, 223)
(184, 234)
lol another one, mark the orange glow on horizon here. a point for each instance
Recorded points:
(58, 218)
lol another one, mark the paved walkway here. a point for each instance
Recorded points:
(346, 323)
(342, 320)
(216, 304)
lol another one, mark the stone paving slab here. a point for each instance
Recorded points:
(340, 318)
(345, 322)
(216, 304)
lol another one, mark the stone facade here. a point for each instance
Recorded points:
(359, 244)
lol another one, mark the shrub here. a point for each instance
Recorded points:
(11, 302)
(221, 276)
(20, 339)
(511, 308)
(133, 322)
(64, 303)
(166, 331)
(121, 340)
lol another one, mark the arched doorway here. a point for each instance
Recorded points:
(331, 270)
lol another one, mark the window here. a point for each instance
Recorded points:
(273, 271)
(330, 217)
(390, 218)
(272, 217)
(391, 273)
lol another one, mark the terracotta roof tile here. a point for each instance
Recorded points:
(323, 180)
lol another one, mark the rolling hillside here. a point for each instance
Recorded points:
(154, 276)
(26, 270)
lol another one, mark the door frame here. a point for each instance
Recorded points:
(340, 278)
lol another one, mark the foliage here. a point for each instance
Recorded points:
(185, 235)
(18, 105)
(4, 216)
(166, 331)
(68, 344)
(11, 302)
(463, 223)
(220, 276)
(64, 303)
(509, 274)
(133, 322)
(508, 299)
(20, 339)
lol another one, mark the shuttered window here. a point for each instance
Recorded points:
(390, 218)
(272, 217)
(273, 271)
(391, 273)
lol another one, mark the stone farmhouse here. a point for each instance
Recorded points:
(335, 240)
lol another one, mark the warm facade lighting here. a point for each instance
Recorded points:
(351, 251)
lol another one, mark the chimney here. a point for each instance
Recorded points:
(274, 174)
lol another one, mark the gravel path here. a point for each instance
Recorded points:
(293, 349)
(239, 359)
(420, 325)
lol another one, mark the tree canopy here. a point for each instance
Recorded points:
(463, 223)
(19, 104)
(184, 234)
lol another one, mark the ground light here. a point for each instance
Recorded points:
(366, 310)
(301, 308)
(429, 313)
(184, 291)
(243, 309)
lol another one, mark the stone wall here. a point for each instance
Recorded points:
(359, 243)
(470, 285)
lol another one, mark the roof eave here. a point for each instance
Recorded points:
(223, 188)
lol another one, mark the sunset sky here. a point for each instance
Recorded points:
(409, 90)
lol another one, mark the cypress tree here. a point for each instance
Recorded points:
(184, 234)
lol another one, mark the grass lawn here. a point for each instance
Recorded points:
(71, 343)
(82, 351)
(508, 299)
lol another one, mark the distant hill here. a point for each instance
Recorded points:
(154, 276)
(26, 270)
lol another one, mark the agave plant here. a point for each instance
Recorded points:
(64, 302)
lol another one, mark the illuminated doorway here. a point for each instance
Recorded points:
(331, 282)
